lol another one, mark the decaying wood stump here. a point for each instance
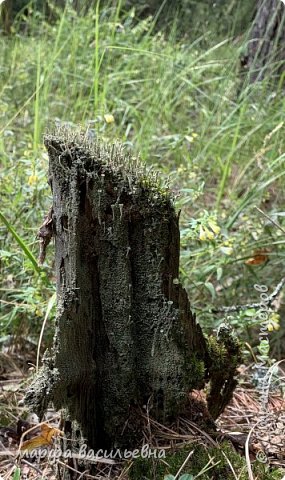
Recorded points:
(125, 335)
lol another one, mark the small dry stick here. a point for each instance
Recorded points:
(45, 234)
(271, 220)
(268, 302)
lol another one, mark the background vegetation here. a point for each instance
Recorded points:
(166, 82)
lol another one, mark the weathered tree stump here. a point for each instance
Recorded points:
(125, 335)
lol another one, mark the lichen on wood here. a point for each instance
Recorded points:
(125, 335)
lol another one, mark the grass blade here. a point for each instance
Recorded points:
(21, 243)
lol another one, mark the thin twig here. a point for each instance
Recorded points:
(268, 302)
(32, 466)
(183, 464)
(247, 457)
(271, 220)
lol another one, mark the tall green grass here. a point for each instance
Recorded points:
(175, 101)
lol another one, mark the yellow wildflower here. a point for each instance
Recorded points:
(202, 234)
(210, 235)
(273, 322)
(109, 118)
(228, 243)
(32, 180)
(216, 229)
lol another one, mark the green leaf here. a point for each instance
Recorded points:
(250, 312)
(186, 476)
(169, 477)
(264, 347)
(211, 289)
(5, 254)
(17, 474)
(219, 273)
(21, 243)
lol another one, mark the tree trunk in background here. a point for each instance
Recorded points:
(6, 16)
(125, 336)
(265, 51)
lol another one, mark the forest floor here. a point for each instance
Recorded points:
(252, 426)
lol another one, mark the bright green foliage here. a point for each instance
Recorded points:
(173, 98)
(17, 474)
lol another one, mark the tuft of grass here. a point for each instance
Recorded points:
(211, 463)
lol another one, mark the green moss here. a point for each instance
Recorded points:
(217, 469)
(222, 347)
(225, 356)
(132, 175)
(195, 372)
(217, 353)
(156, 469)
